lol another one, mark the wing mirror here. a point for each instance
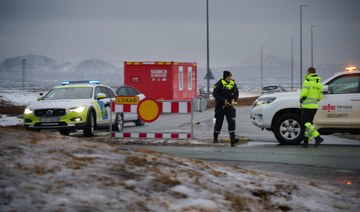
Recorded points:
(325, 89)
(100, 96)
(40, 97)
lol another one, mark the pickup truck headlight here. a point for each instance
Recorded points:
(77, 109)
(264, 101)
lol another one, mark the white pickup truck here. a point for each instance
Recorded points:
(339, 110)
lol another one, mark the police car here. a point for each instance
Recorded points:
(72, 105)
(339, 110)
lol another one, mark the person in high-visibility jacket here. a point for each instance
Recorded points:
(311, 93)
(226, 94)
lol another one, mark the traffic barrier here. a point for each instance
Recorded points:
(164, 107)
(151, 135)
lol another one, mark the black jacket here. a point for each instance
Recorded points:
(221, 93)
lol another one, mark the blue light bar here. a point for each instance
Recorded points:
(67, 82)
(94, 81)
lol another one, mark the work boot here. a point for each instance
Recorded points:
(233, 141)
(318, 141)
(216, 135)
(306, 142)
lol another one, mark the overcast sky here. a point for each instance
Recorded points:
(119, 30)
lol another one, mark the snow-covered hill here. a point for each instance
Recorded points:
(42, 71)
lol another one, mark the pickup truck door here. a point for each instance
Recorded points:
(340, 107)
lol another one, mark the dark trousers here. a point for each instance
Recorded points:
(307, 115)
(230, 113)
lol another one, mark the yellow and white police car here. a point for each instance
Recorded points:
(339, 110)
(73, 105)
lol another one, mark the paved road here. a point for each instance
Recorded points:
(328, 156)
(337, 165)
(336, 160)
(203, 127)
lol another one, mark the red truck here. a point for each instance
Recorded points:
(161, 80)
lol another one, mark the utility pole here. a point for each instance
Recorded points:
(301, 77)
(208, 75)
(312, 46)
(262, 69)
(292, 64)
(207, 51)
(23, 64)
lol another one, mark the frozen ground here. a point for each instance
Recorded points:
(49, 172)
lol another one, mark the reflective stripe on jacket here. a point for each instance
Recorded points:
(227, 85)
(225, 90)
(311, 92)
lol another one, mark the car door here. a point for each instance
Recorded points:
(103, 112)
(340, 107)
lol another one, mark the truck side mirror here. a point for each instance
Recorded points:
(325, 89)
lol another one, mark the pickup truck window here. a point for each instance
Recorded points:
(345, 84)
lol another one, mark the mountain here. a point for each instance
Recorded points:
(97, 69)
(276, 70)
(32, 61)
(42, 71)
(268, 61)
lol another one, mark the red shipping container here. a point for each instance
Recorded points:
(162, 80)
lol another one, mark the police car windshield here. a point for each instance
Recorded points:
(70, 93)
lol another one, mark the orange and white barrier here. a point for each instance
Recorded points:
(164, 106)
(151, 135)
(150, 114)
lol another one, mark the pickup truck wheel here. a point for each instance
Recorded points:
(288, 130)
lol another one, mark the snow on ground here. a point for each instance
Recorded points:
(49, 172)
(10, 120)
(20, 97)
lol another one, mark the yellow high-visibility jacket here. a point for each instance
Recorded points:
(311, 92)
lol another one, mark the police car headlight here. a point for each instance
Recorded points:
(77, 109)
(263, 101)
(28, 111)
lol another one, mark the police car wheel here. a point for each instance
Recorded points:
(90, 124)
(64, 131)
(287, 129)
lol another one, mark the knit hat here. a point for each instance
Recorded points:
(226, 74)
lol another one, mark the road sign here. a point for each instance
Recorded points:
(148, 110)
(127, 100)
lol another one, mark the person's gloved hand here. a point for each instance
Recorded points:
(302, 99)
